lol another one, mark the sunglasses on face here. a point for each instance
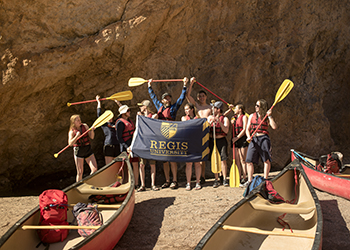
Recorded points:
(128, 110)
(256, 105)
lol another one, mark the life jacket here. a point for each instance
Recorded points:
(238, 125)
(128, 129)
(164, 113)
(255, 121)
(218, 130)
(189, 118)
(83, 141)
(149, 115)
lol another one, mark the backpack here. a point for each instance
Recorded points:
(53, 211)
(269, 193)
(257, 180)
(87, 215)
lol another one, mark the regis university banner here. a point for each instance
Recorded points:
(171, 141)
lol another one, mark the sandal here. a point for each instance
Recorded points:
(198, 186)
(188, 187)
(174, 185)
(166, 184)
(141, 189)
(154, 188)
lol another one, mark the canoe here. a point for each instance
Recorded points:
(338, 184)
(116, 217)
(252, 222)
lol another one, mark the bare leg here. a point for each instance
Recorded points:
(203, 168)
(166, 171)
(142, 174)
(188, 172)
(153, 174)
(224, 169)
(267, 167)
(243, 154)
(238, 161)
(108, 159)
(198, 169)
(135, 166)
(174, 170)
(79, 163)
(250, 170)
(91, 161)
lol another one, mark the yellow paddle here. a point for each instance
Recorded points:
(234, 173)
(105, 117)
(215, 157)
(282, 92)
(120, 96)
(137, 81)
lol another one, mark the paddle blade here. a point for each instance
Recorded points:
(215, 160)
(136, 81)
(105, 117)
(121, 96)
(234, 175)
(283, 91)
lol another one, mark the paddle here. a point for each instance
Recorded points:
(120, 96)
(25, 227)
(105, 117)
(299, 156)
(215, 157)
(137, 81)
(234, 173)
(282, 92)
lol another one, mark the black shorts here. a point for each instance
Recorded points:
(111, 150)
(260, 146)
(221, 145)
(242, 142)
(83, 151)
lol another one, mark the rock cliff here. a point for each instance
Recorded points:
(67, 51)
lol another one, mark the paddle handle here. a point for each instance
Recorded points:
(251, 136)
(75, 103)
(57, 154)
(25, 227)
(298, 155)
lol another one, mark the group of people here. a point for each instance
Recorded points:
(118, 137)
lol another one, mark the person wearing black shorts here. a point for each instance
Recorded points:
(260, 145)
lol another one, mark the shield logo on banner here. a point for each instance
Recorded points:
(168, 130)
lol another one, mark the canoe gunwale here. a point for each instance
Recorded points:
(120, 158)
(252, 195)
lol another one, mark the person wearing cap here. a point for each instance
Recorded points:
(125, 130)
(204, 110)
(260, 144)
(111, 148)
(146, 111)
(221, 125)
(167, 111)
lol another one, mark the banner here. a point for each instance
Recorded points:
(160, 140)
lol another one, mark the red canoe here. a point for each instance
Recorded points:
(338, 185)
(116, 217)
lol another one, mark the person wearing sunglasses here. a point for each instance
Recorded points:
(260, 144)
(125, 130)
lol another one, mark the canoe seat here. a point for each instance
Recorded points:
(92, 190)
(260, 203)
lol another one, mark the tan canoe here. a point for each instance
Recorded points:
(252, 222)
(116, 217)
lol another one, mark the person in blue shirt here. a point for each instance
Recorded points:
(167, 111)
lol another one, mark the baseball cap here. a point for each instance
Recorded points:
(123, 109)
(218, 104)
(165, 94)
(146, 103)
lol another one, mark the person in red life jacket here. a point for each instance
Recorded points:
(190, 113)
(111, 148)
(125, 130)
(260, 144)
(82, 148)
(167, 111)
(146, 111)
(204, 110)
(221, 124)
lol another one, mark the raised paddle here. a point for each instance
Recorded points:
(105, 117)
(282, 92)
(234, 173)
(120, 96)
(137, 81)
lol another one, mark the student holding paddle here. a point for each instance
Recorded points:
(81, 147)
(220, 125)
(167, 111)
(260, 145)
(191, 114)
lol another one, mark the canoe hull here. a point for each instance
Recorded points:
(329, 183)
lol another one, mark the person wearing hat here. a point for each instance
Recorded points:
(221, 125)
(146, 111)
(125, 130)
(111, 148)
(167, 111)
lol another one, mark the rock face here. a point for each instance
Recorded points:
(63, 51)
